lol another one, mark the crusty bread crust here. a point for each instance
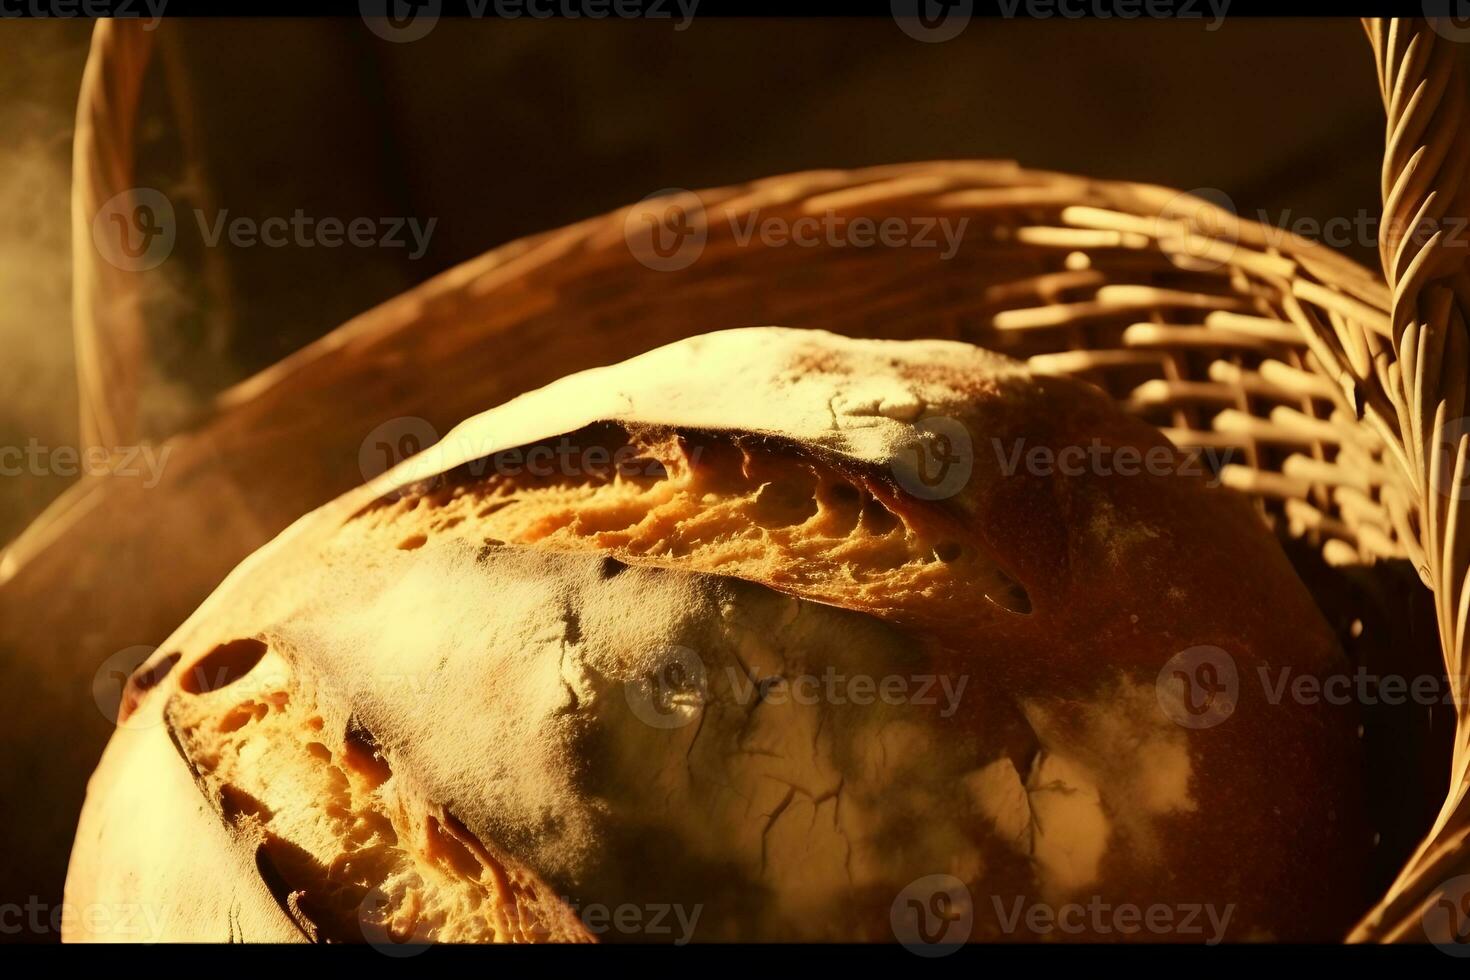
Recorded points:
(758, 513)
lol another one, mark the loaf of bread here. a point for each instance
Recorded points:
(765, 635)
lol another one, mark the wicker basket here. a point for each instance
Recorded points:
(1339, 395)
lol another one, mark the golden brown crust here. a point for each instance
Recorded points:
(1057, 604)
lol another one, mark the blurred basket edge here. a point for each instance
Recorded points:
(1225, 333)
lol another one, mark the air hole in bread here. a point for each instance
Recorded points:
(146, 677)
(413, 542)
(785, 504)
(222, 666)
(361, 753)
(840, 505)
(242, 715)
(236, 803)
(1012, 595)
(876, 518)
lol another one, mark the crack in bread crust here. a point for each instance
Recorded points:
(749, 507)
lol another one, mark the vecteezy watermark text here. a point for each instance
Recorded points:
(835, 687)
(1098, 917)
(935, 915)
(398, 439)
(1363, 228)
(590, 9)
(1200, 687)
(138, 921)
(88, 9)
(304, 231)
(1099, 459)
(1360, 687)
(654, 920)
(843, 231)
(138, 229)
(127, 674)
(936, 21)
(567, 458)
(405, 21)
(1201, 229)
(1121, 9)
(667, 231)
(35, 459)
(674, 693)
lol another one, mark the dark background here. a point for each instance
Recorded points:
(499, 129)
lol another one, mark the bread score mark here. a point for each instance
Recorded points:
(751, 507)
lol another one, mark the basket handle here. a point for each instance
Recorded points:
(1423, 242)
(107, 316)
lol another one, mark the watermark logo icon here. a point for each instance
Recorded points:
(136, 229)
(1447, 917)
(932, 21)
(1445, 450)
(1450, 19)
(400, 21)
(373, 915)
(673, 693)
(1199, 687)
(933, 915)
(110, 684)
(667, 230)
(393, 442)
(937, 463)
(1198, 229)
